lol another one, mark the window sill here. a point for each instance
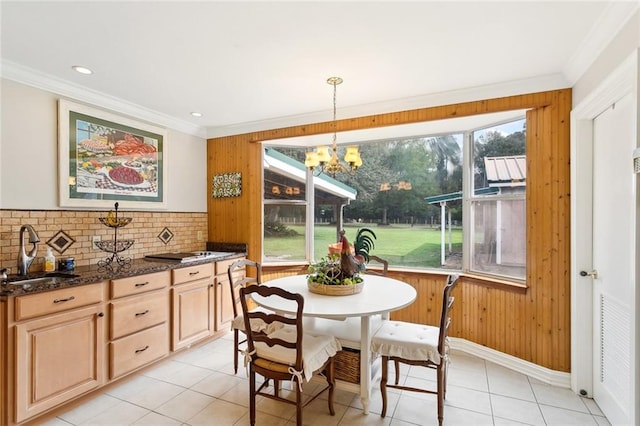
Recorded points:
(485, 280)
(492, 281)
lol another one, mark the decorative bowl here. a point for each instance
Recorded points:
(113, 246)
(326, 277)
(122, 221)
(335, 290)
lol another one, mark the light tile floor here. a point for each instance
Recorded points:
(199, 388)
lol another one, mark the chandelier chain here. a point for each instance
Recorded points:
(323, 160)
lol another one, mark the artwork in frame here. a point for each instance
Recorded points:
(104, 157)
(226, 185)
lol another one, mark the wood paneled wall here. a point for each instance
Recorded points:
(533, 323)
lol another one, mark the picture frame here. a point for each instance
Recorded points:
(105, 157)
(226, 185)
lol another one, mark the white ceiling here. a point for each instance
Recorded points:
(260, 64)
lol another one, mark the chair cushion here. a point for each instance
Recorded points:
(316, 349)
(256, 324)
(406, 340)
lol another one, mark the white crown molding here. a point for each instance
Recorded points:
(604, 30)
(31, 77)
(509, 88)
(545, 375)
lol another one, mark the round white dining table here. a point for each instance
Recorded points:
(380, 295)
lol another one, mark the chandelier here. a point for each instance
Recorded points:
(321, 161)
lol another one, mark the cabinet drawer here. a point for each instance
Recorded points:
(139, 284)
(138, 312)
(222, 266)
(138, 349)
(57, 301)
(192, 273)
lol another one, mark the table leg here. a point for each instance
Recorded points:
(365, 363)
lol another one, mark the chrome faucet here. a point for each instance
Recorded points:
(24, 259)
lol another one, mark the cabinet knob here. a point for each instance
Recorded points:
(101, 314)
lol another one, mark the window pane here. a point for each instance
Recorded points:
(499, 158)
(499, 240)
(395, 186)
(284, 230)
(278, 187)
(499, 221)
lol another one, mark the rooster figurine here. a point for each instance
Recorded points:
(349, 266)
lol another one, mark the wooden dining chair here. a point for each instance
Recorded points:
(241, 273)
(417, 345)
(286, 354)
(373, 259)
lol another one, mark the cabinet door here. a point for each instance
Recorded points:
(57, 358)
(193, 312)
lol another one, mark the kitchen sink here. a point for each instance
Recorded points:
(29, 280)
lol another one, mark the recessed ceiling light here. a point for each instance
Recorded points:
(82, 70)
(196, 114)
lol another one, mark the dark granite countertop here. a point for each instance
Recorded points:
(84, 275)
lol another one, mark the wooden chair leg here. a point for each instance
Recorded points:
(235, 351)
(331, 380)
(441, 384)
(252, 396)
(444, 380)
(396, 365)
(383, 385)
(298, 403)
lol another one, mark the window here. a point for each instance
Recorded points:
(497, 202)
(453, 201)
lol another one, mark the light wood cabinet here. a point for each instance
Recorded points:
(59, 345)
(139, 322)
(59, 354)
(193, 305)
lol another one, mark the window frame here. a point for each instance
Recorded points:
(467, 200)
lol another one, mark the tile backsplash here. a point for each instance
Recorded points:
(189, 234)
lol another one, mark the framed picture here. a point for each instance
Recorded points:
(104, 158)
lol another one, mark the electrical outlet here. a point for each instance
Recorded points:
(199, 235)
(94, 240)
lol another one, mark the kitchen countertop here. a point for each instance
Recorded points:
(94, 273)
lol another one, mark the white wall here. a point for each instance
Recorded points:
(29, 162)
(620, 48)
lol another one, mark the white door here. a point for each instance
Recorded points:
(613, 260)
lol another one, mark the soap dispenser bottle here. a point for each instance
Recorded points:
(49, 261)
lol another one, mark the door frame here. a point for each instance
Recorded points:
(621, 81)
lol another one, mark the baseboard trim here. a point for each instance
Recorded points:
(545, 375)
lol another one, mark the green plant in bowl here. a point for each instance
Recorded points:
(327, 271)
